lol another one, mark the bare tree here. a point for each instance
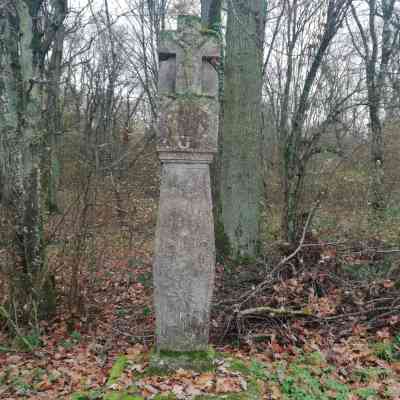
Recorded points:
(298, 66)
(378, 41)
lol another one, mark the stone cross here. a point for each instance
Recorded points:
(184, 260)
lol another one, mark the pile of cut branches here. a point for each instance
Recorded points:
(332, 288)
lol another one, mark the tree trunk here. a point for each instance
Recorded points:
(211, 13)
(54, 113)
(21, 123)
(292, 146)
(377, 195)
(376, 82)
(378, 49)
(241, 178)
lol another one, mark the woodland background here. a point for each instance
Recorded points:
(306, 194)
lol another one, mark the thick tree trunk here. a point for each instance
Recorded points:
(21, 124)
(241, 179)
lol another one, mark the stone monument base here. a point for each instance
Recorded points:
(170, 361)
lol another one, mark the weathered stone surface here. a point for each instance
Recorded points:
(188, 124)
(191, 46)
(188, 88)
(167, 74)
(184, 259)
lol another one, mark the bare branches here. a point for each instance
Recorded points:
(246, 297)
(336, 12)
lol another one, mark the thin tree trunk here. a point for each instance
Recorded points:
(54, 113)
(294, 163)
(211, 12)
(376, 75)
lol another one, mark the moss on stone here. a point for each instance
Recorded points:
(194, 355)
(215, 33)
(167, 35)
(168, 360)
(189, 20)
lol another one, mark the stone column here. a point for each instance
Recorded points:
(184, 259)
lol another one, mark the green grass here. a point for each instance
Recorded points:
(310, 377)
(388, 351)
(117, 370)
(302, 383)
(306, 376)
(74, 338)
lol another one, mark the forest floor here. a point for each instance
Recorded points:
(290, 357)
(325, 332)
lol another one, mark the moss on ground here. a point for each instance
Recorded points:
(250, 374)
(95, 395)
(117, 370)
(306, 376)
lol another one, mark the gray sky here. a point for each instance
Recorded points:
(118, 7)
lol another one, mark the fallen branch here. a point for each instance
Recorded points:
(386, 310)
(274, 312)
(247, 296)
(130, 336)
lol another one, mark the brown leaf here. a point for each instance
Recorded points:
(14, 359)
(205, 381)
(387, 284)
(193, 391)
(275, 392)
(134, 352)
(394, 390)
(227, 385)
(383, 333)
(178, 391)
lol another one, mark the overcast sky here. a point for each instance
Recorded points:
(119, 7)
